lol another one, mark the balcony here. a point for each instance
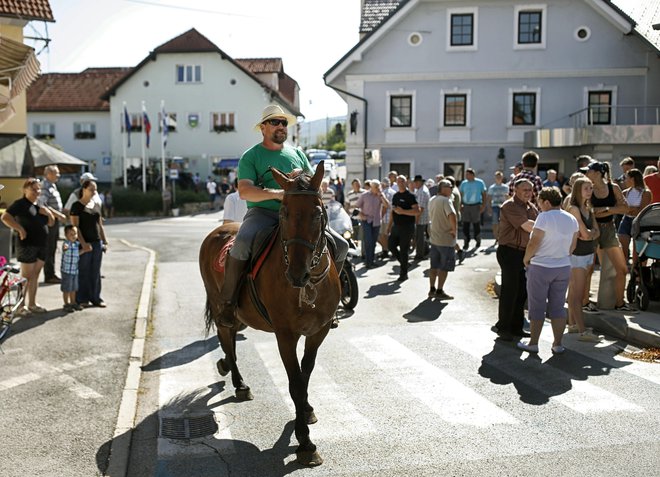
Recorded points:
(602, 125)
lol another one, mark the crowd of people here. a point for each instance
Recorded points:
(549, 234)
(36, 218)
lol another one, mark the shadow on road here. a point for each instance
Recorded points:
(537, 381)
(185, 355)
(204, 456)
(428, 310)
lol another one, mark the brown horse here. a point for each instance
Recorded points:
(299, 288)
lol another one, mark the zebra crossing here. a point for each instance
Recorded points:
(455, 374)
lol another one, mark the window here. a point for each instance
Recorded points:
(84, 130)
(44, 130)
(462, 30)
(600, 107)
(222, 122)
(455, 110)
(401, 111)
(524, 109)
(188, 73)
(530, 26)
(462, 26)
(171, 122)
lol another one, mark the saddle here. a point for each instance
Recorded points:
(261, 246)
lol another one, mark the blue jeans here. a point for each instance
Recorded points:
(370, 238)
(89, 275)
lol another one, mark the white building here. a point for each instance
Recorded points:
(437, 86)
(212, 102)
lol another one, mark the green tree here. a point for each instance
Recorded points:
(336, 137)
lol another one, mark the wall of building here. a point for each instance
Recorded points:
(224, 88)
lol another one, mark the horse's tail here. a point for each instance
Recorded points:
(208, 316)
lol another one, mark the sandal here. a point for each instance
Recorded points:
(37, 309)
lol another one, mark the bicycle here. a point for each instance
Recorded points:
(11, 295)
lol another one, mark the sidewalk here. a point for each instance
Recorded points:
(642, 329)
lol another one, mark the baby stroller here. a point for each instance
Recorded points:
(644, 284)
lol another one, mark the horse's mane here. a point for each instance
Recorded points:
(303, 182)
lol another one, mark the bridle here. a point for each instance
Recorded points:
(317, 248)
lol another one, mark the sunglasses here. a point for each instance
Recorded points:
(276, 122)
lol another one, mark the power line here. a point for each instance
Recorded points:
(190, 9)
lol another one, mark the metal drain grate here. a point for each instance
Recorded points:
(190, 426)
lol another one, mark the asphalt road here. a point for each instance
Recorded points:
(404, 386)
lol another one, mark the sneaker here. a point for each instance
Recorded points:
(589, 337)
(441, 295)
(572, 329)
(432, 292)
(402, 278)
(67, 307)
(527, 347)
(461, 256)
(590, 309)
(559, 349)
(76, 306)
(627, 308)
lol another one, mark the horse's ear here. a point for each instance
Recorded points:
(318, 176)
(280, 177)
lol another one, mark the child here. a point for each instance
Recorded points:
(69, 268)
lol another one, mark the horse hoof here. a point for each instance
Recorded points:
(222, 367)
(309, 458)
(244, 394)
(311, 417)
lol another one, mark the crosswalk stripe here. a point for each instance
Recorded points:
(450, 399)
(331, 406)
(188, 376)
(19, 380)
(582, 397)
(78, 388)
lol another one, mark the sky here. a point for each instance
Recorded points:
(309, 35)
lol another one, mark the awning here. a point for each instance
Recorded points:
(19, 67)
(228, 163)
(21, 158)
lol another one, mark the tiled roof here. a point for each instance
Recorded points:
(73, 91)
(27, 9)
(188, 42)
(645, 13)
(261, 65)
(374, 12)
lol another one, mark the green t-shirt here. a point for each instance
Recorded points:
(254, 166)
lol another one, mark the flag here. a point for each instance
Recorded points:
(147, 125)
(127, 125)
(166, 125)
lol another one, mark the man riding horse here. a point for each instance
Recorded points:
(264, 196)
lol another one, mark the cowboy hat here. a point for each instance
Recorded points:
(274, 111)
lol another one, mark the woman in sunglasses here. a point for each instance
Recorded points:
(31, 222)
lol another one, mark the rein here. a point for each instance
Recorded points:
(320, 244)
(319, 249)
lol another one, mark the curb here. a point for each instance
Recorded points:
(619, 327)
(121, 442)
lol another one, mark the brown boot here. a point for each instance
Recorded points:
(234, 271)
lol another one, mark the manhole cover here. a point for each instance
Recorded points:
(190, 426)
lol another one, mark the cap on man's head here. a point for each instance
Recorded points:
(87, 176)
(518, 165)
(596, 166)
(274, 111)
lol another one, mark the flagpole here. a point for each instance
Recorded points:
(164, 123)
(144, 140)
(123, 145)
